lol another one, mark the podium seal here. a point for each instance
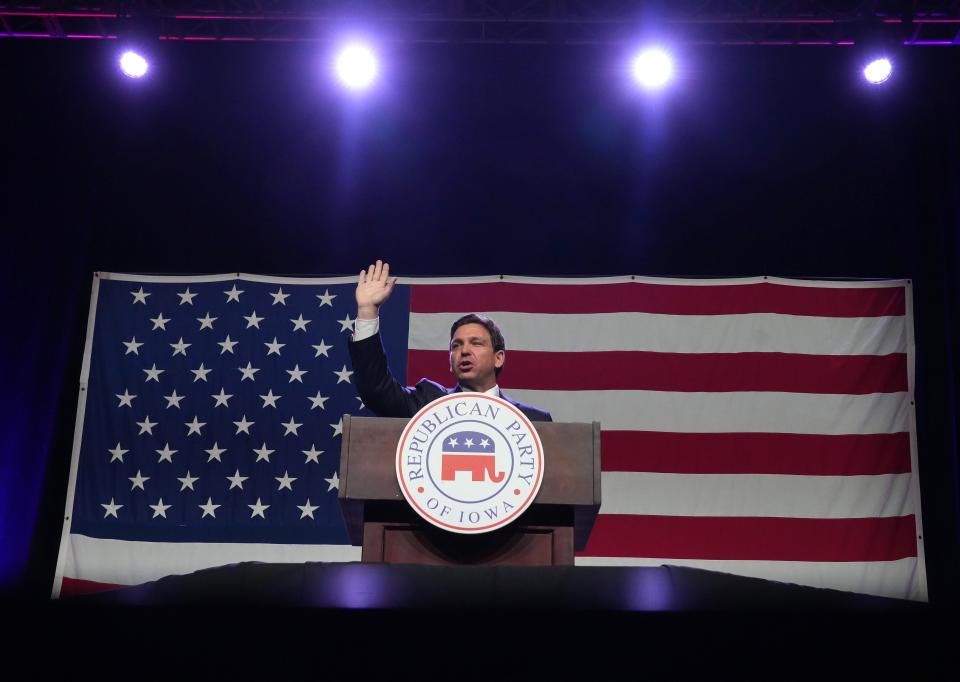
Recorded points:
(469, 463)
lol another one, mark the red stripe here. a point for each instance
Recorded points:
(670, 299)
(756, 453)
(700, 372)
(71, 587)
(753, 538)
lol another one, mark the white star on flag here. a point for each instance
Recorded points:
(236, 481)
(285, 482)
(307, 509)
(312, 454)
(215, 453)
(270, 400)
(318, 401)
(132, 346)
(222, 398)
(160, 509)
(248, 372)
(263, 453)
(159, 322)
(322, 349)
(300, 323)
(186, 297)
(326, 298)
(279, 297)
(209, 509)
(343, 375)
(187, 481)
(296, 374)
(140, 296)
(166, 454)
(346, 324)
(258, 509)
(291, 427)
(117, 453)
(274, 347)
(206, 322)
(233, 294)
(338, 428)
(153, 373)
(243, 425)
(180, 347)
(253, 320)
(334, 482)
(195, 426)
(126, 399)
(173, 400)
(138, 480)
(111, 509)
(146, 426)
(227, 345)
(200, 373)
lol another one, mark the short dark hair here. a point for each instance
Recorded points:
(495, 334)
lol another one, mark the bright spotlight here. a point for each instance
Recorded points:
(356, 66)
(652, 68)
(133, 65)
(878, 71)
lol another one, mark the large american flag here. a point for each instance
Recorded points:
(763, 427)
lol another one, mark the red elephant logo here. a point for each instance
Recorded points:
(477, 465)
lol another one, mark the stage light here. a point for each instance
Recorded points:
(878, 70)
(652, 68)
(356, 66)
(133, 65)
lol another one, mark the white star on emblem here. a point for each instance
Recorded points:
(468, 442)
(484, 442)
(326, 298)
(118, 453)
(248, 372)
(111, 509)
(132, 346)
(285, 482)
(343, 375)
(322, 349)
(180, 347)
(227, 345)
(159, 509)
(270, 399)
(236, 481)
(154, 373)
(206, 322)
(452, 442)
(307, 509)
(187, 481)
(279, 297)
(215, 452)
(318, 401)
(138, 480)
(346, 324)
(243, 425)
(253, 320)
(166, 454)
(159, 322)
(295, 374)
(312, 454)
(334, 482)
(291, 427)
(233, 294)
(258, 509)
(263, 453)
(173, 400)
(186, 297)
(126, 399)
(337, 428)
(221, 398)
(209, 509)
(300, 323)
(146, 426)
(274, 347)
(140, 296)
(200, 373)
(195, 426)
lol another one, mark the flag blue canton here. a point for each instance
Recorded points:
(214, 409)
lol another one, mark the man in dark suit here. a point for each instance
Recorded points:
(477, 354)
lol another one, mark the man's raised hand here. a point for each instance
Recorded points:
(373, 289)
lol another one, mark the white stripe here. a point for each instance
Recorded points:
(805, 497)
(751, 333)
(900, 579)
(737, 412)
(124, 562)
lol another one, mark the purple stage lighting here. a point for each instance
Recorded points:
(878, 71)
(356, 66)
(652, 68)
(133, 65)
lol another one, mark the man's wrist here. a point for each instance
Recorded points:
(368, 312)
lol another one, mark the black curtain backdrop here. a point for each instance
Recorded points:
(468, 160)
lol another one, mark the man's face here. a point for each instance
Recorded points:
(472, 358)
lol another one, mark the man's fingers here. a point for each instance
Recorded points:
(363, 277)
(369, 273)
(385, 273)
(377, 270)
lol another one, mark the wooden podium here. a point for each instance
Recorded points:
(379, 519)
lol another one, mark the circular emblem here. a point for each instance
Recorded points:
(469, 462)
